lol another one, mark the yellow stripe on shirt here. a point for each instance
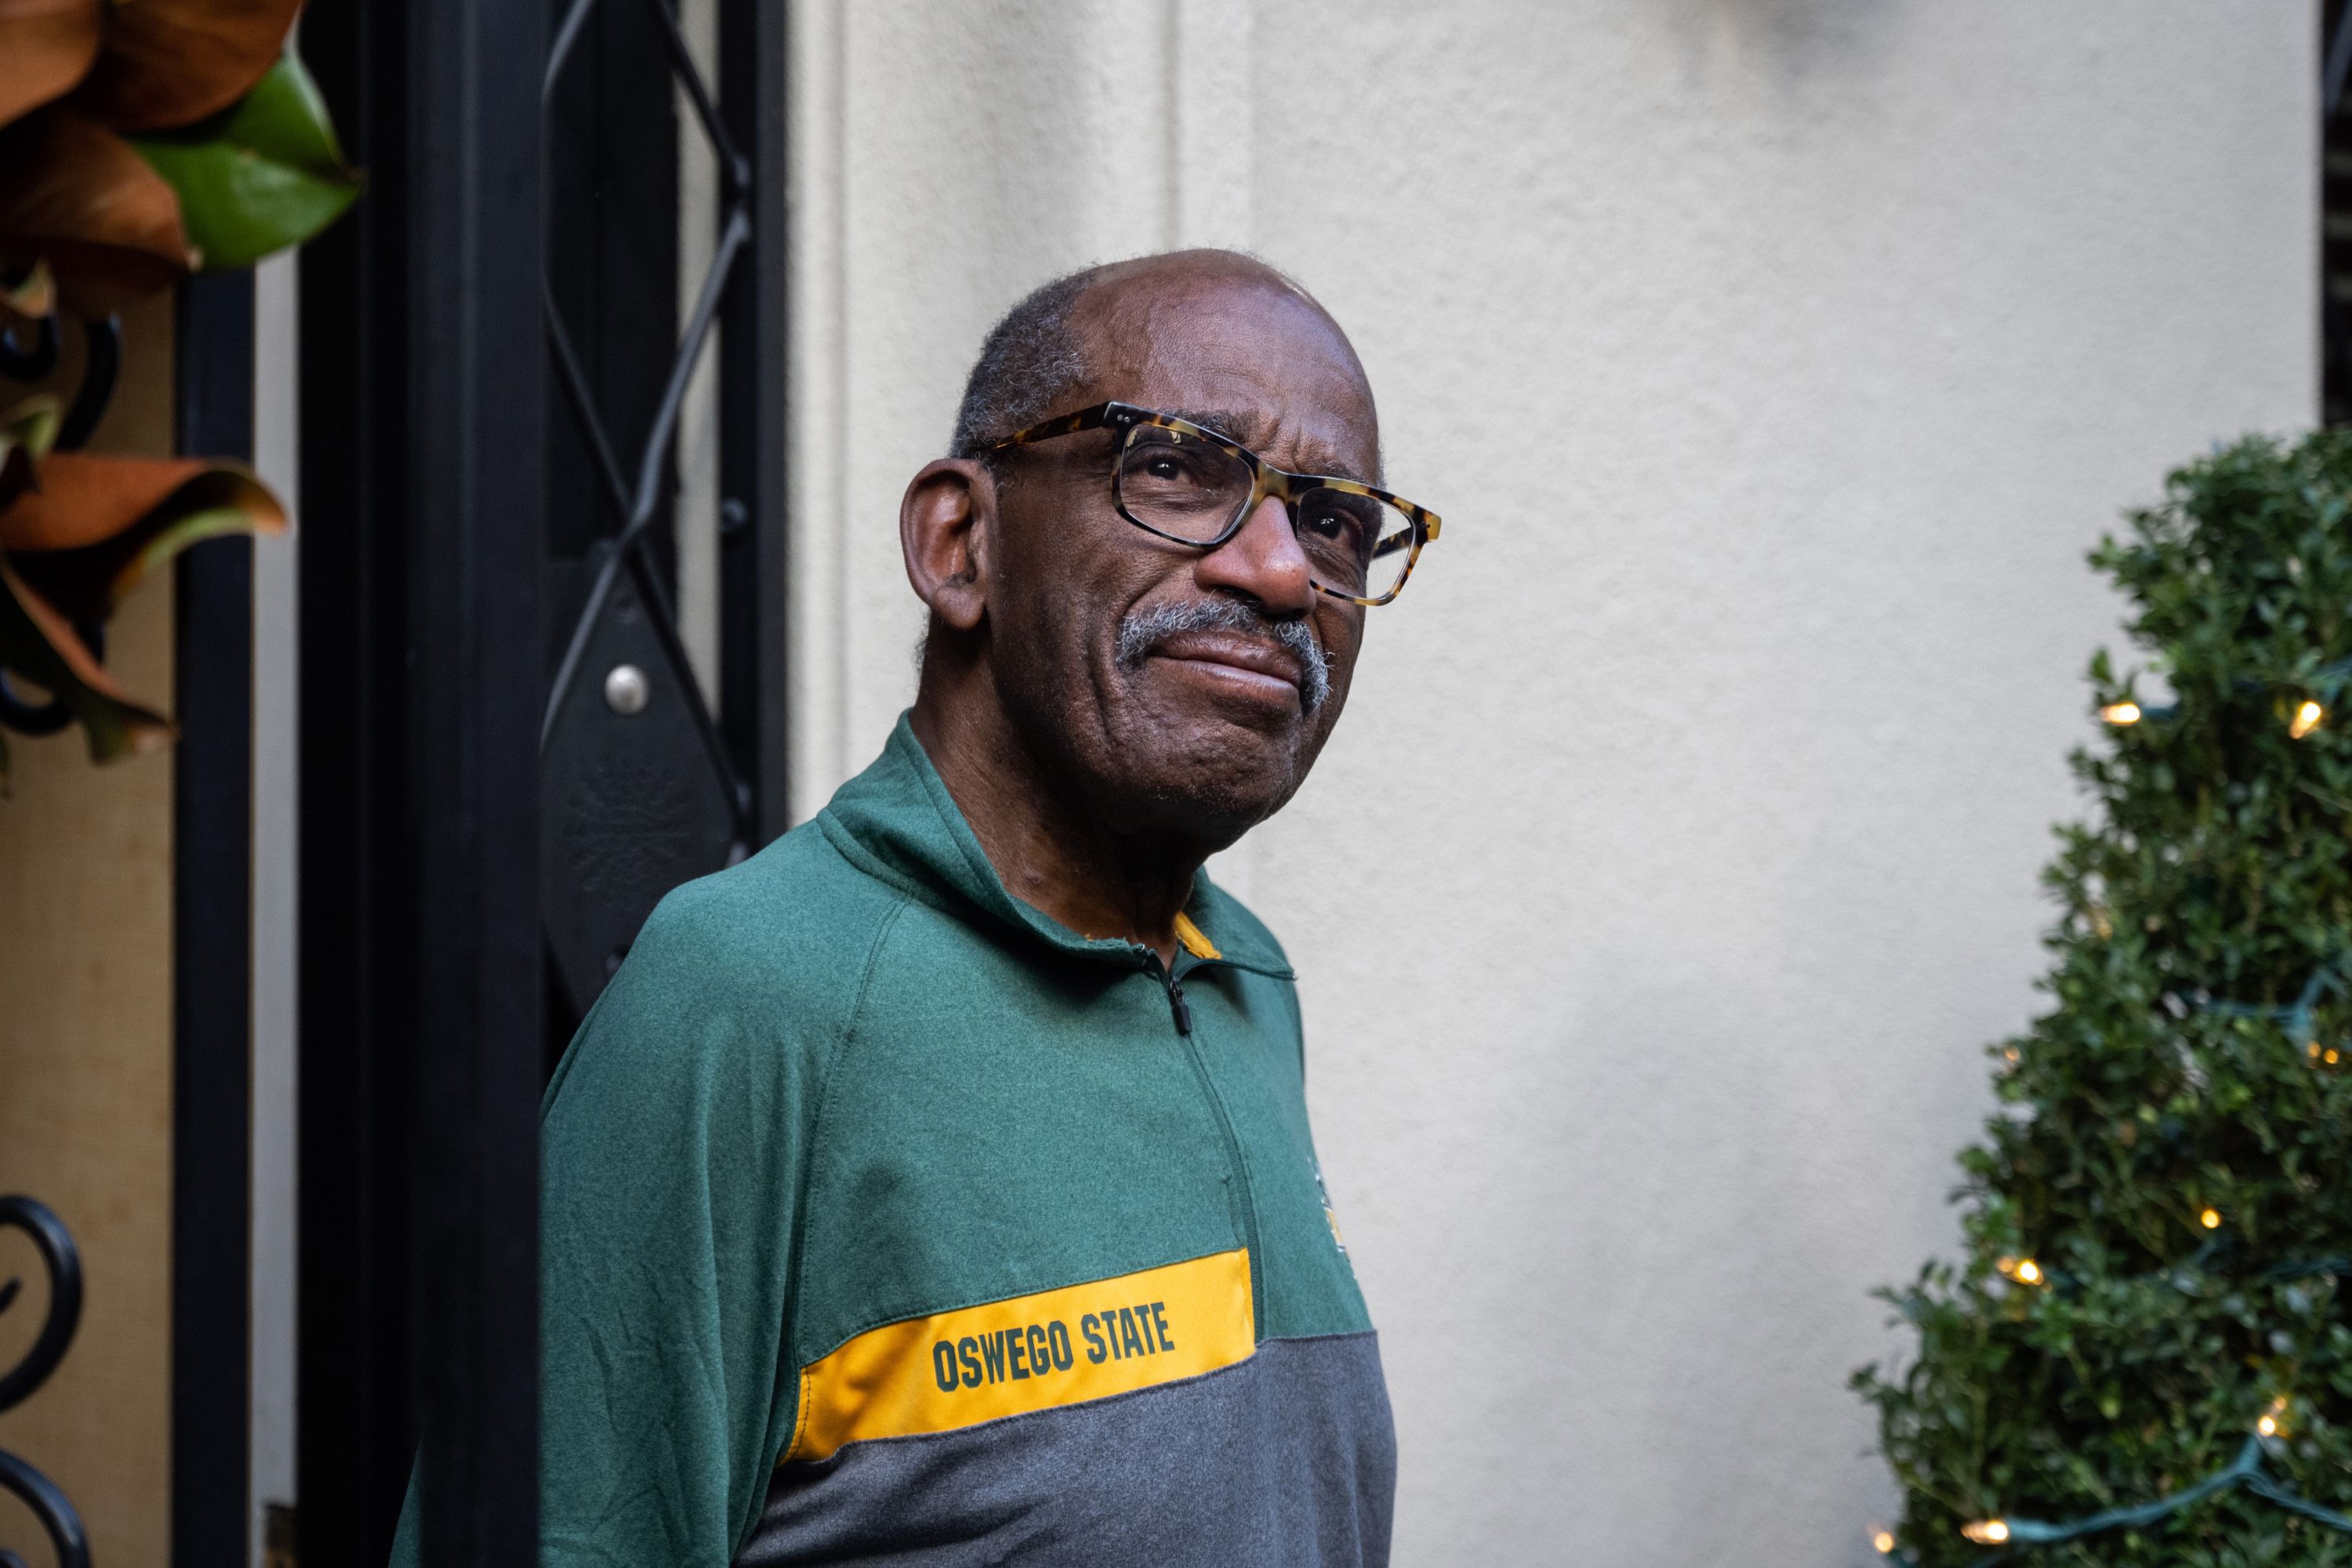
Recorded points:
(1030, 1352)
(1194, 940)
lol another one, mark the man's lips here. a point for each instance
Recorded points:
(1245, 655)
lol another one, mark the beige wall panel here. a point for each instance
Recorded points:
(1773, 364)
(86, 1063)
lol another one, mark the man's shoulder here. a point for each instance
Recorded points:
(791, 926)
(743, 979)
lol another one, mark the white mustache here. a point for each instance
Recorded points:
(1144, 630)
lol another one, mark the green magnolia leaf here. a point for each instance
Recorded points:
(264, 173)
(27, 433)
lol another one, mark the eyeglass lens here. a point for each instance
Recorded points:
(1191, 489)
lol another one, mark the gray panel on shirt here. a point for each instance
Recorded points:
(1285, 1460)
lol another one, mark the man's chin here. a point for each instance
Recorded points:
(1202, 814)
(1211, 780)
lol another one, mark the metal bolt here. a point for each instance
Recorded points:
(626, 690)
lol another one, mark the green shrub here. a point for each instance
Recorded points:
(2159, 1220)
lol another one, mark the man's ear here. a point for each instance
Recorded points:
(944, 527)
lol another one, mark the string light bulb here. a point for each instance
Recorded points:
(1986, 1532)
(2121, 714)
(2268, 1425)
(2024, 1270)
(2332, 1056)
(1881, 1540)
(2210, 1220)
(2306, 718)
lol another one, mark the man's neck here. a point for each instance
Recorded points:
(1050, 851)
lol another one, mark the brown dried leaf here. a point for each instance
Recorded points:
(96, 525)
(172, 62)
(77, 195)
(81, 500)
(46, 47)
(37, 643)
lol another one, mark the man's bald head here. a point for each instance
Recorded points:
(1046, 353)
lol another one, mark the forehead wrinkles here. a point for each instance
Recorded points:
(1244, 344)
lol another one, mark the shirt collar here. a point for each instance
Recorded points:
(897, 821)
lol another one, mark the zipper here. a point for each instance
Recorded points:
(1244, 1205)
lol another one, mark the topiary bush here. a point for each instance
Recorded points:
(2157, 1221)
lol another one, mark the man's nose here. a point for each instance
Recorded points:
(1263, 560)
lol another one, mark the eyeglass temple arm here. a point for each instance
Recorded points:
(1093, 418)
(1427, 525)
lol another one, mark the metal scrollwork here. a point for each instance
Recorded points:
(31, 357)
(31, 718)
(63, 1260)
(640, 792)
(101, 366)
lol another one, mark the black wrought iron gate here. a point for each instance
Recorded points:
(646, 780)
(509, 754)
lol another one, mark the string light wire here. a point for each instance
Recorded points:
(2298, 1016)
(2014, 1534)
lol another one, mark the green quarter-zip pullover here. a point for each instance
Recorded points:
(887, 1220)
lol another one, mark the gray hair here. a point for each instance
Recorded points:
(1029, 363)
(1032, 360)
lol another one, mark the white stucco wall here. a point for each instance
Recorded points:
(1773, 362)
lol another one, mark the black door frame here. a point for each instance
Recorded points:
(356, 1425)
(425, 394)
(755, 569)
(212, 954)
(420, 628)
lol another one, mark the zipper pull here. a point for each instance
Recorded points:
(1180, 1008)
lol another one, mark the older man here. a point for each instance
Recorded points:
(935, 1187)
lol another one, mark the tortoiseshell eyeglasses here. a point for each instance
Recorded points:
(1186, 482)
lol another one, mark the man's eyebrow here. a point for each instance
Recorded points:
(1250, 431)
(1245, 428)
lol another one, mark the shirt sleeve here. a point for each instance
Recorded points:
(671, 1145)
